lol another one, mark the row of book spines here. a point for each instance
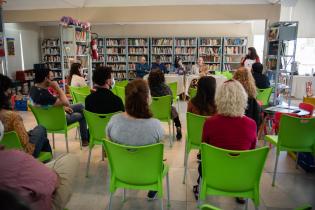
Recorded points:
(51, 58)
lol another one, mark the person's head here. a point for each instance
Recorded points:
(245, 77)
(143, 60)
(9, 200)
(257, 68)
(231, 99)
(156, 78)
(200, 61)
(137, 99)
(5, 91)
(102, 77)
(178, 62)
(43, 76)
(252, 54)
(158, 59)
(206, 87)
(75, 70)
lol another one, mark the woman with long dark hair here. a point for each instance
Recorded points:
(251, 58)
(75, 77)
(203, 103)
(179, 67)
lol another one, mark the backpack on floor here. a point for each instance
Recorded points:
(306, 161)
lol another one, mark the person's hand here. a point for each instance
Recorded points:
(68, 110)
(54, 85)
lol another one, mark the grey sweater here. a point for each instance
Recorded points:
(134, 132)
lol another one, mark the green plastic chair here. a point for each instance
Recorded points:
(227, 74)
(193, 137)
(295, 134)
(263, 95)
(54, 120)
(161, 110)
(218, 73)
(231, 173)
(12, 141)
(97, 124)
(85, 90)
(306, 207)
(192, 92)
(137, 168)
(173, 87)
(79, 97)
(120, 92)
(122, 83)
(208, 207)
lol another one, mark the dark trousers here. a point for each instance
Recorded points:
(177, 122)
(38, 137)
(77, 116)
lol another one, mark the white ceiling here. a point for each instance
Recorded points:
(50, 4)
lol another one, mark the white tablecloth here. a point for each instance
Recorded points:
(299, 87)
(173, 78)
(219, 80)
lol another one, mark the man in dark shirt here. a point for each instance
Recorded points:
(103, 101)
(142, 68)
(40, 95)
(261, 80)
(159, 65)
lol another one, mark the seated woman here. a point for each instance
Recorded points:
(230, 128)
(75, 77)
(34, 141)
(261, 80)
(253, 110)
(158, 88)
(179, 67)
(203, 103)
(136, 127)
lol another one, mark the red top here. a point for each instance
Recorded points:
(233, 133)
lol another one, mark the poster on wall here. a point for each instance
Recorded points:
(10, 46)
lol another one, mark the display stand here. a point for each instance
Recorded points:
(281, 63)
(234, 50)
(210, 49)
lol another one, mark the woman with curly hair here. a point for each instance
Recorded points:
(253, 110)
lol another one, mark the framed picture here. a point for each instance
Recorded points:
(10, 46)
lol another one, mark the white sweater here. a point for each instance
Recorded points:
(78, 81)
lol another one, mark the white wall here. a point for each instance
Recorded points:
(304, 12)
(27, 39)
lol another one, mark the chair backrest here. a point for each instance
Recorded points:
(173, 87)
(79, 97)
(161, 107)
(122, 83)
(120, 92)
(53, 118)
(11, 140)
(208, 207)
(140, 165)
(194, 128)
(296, 134)
(232, 171)
(192, 92)
(85, 90)
(97, 123)
(263, 95)
(307, 107)
(218, 73)
(310, 100)
(227, 74)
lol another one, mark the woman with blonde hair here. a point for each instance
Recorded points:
(245, 77)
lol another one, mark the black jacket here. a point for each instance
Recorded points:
(261, 80)
(253, 111)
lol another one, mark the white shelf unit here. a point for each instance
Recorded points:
(75, 47)
(50, 51)
(137, 47)
(234, 49)
(163, 47)
(186, 49)
(210, 49)
(116, 56)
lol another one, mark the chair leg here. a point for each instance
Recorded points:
(80, 141)
(53, 137)
(67, 146)
(170, 137)
(296, 160)
(161, 203)
(110, 201)
(124, 195)
(173, 137)
(185, 164)
(76, 133)
(88, 163)
(246, 205)
(103, 151)
(275, 170)
(199, 201)
(168, 189)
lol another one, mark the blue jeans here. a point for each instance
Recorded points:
(38, 137)
(77, 116)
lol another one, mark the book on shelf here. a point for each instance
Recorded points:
(117, 67)
(131, 66)
(50, 43)
(188, 58)
(235, 50)
(81, 50)
(211, 58)
(162, 50)
(232, 59)
(51, 51)
(114, 50)
(188, 50)
(138, 50)
(100, 50)
(100, 59)
(213, 67)
(137, 42)
(163, 58)
(134, 58)
(162, 41)
(51, 58)
(210, 41)
(80, 36)
(185, 41)
(209, 50)
(235, 41)
(100, 42)
(116, 58)
(116, 42)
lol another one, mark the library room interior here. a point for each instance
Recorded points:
(157, 105)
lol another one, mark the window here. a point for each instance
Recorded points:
(305, 55)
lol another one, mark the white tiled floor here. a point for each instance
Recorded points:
(293, 188)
